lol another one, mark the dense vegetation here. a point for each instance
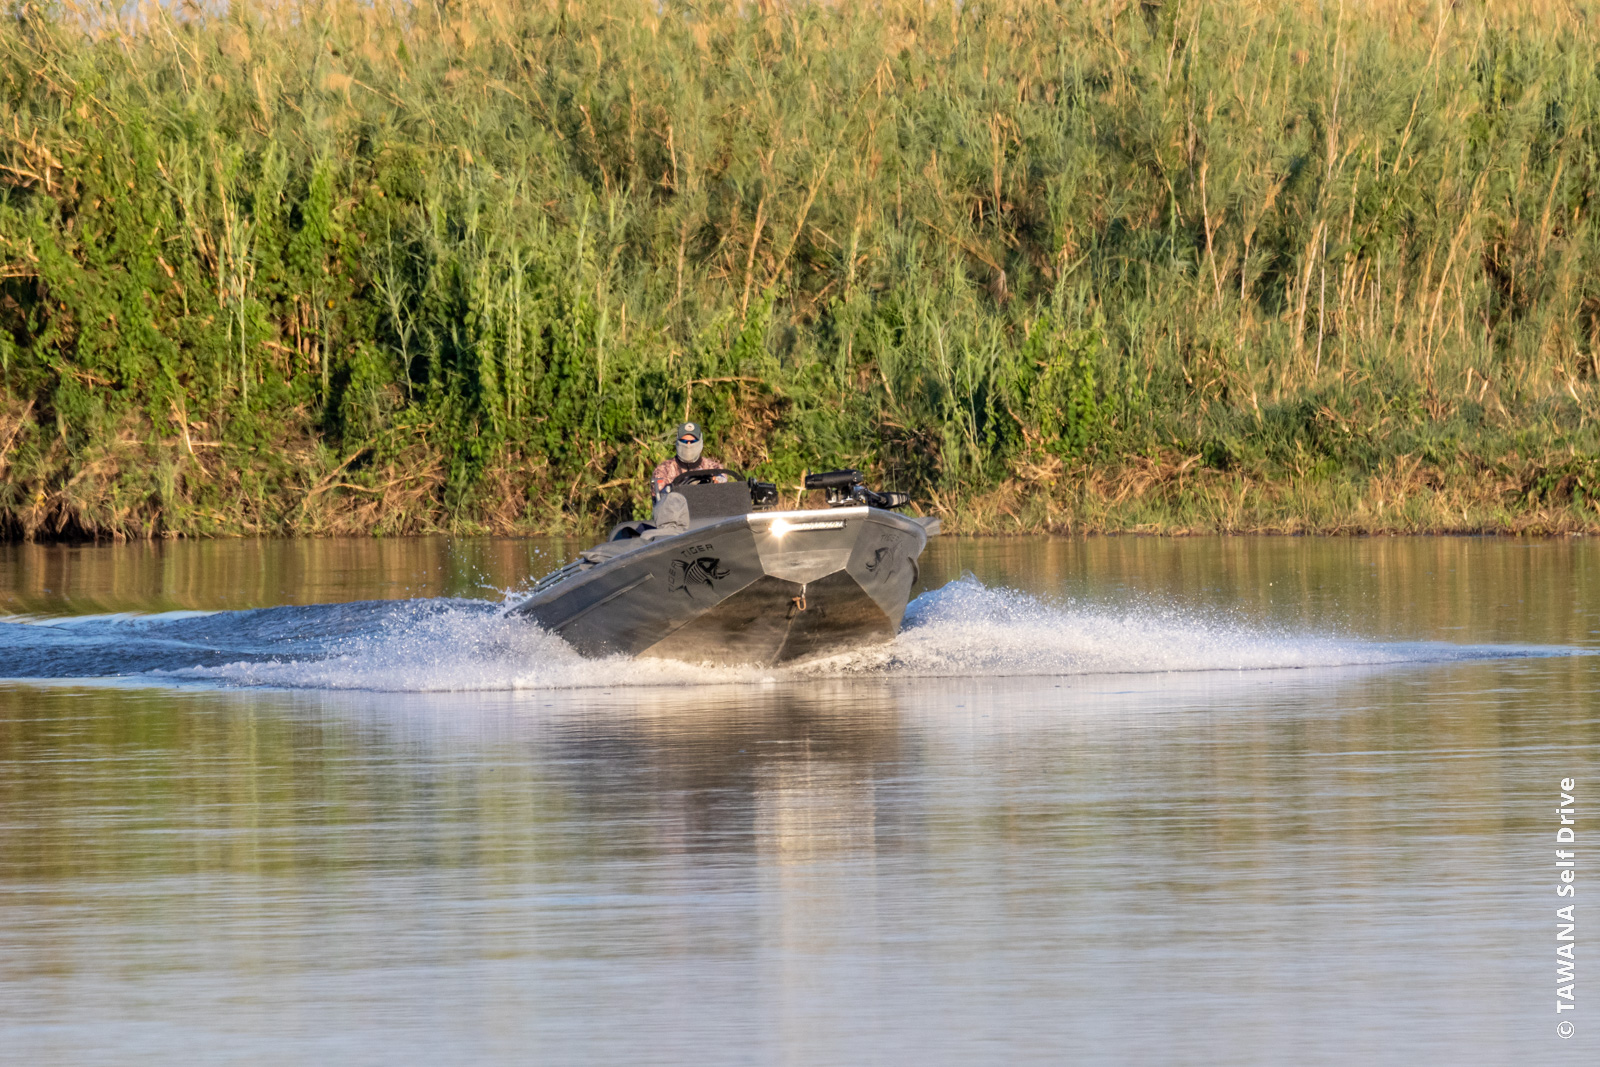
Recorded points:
(1190, 264)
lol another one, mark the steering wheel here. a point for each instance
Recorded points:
(705, 477)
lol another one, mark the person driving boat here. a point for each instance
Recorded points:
(689, 456)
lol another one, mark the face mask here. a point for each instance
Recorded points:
(689, 451)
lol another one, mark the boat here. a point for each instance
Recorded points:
(722, 576)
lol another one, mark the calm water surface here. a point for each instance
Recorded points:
(1105, 801)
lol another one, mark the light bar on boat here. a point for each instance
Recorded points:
(779, 527)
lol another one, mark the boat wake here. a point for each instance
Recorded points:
(965, 629)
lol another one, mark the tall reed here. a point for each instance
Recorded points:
(345, 265)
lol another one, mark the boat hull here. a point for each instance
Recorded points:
(763, 588)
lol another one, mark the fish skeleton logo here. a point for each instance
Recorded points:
(687, 573)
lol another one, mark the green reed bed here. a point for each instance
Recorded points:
(362, 266)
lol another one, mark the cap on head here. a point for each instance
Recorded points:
(690, 443)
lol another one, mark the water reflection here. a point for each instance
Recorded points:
(259, 572)
(1423, 588)
(1338, 865)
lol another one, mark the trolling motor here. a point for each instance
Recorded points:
(846, 488)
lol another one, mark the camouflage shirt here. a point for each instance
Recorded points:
(666, 472)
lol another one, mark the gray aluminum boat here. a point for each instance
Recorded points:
(731, 583)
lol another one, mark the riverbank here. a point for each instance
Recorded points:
(1171, 268)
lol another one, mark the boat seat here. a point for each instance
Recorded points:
(670, 514)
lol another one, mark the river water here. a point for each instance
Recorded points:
(1117, 800)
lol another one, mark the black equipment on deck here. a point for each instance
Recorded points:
(846, 488)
